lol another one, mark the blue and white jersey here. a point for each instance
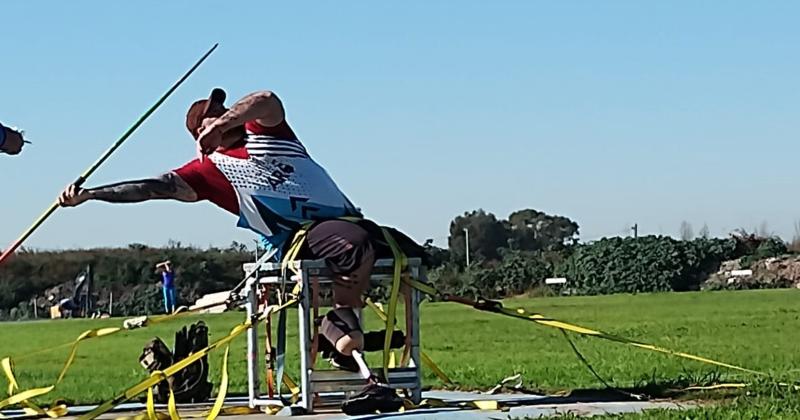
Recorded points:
(279, 187)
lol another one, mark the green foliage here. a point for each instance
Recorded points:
(646, 264)
(533, 230)
(127, 272)
(516, 273)
(767, 248)
(436, 256)
(525, 230)
(486, 236)
(611, 265)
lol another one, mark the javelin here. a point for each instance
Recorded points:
(81, 179)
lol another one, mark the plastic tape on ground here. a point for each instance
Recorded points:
(173, 409)
(541, 319)
(57, 409)
(22, 397)
(550, 322)
(471, 405)
(177, 367)
(171, 370)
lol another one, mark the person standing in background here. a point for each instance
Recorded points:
(167, 285)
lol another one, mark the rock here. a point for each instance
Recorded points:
(768, 273)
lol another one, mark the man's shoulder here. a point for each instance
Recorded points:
(281, 131)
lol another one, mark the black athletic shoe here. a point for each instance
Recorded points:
(374, 398)
(340, 361)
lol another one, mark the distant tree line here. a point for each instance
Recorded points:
(31, 277)
(507, 257)
(517, 255)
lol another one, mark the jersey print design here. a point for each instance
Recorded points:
(278, 192)
(260, 146)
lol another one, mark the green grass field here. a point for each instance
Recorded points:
(754, 329)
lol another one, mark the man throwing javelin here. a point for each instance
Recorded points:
(253, 165)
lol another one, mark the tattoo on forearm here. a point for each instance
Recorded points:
(259, 105)
(167, 186)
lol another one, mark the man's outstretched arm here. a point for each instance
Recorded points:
(168, 186)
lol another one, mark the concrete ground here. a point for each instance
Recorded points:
(517, 406)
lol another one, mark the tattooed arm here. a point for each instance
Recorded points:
(264, 107)
(167, 186)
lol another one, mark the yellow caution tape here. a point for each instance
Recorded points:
(100, 332)
(399, 264)
(541, 319)
(497, 307)
(223, 387)
(22, 397)
(9, 372)
(292, 386)
(60, 409)
(439, 403)
(86, 335)
(294, 249)
(177, 367)
(426, 360)
(150, 404)
(170, 371)
(422, 287)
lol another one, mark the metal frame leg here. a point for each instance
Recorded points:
(252, 343)
(304, 324)
(416, 393)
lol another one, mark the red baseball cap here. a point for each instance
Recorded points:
(212, 107)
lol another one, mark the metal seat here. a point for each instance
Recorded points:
(325, 387)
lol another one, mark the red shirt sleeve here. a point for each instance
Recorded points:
(192, 174)
(209, 183)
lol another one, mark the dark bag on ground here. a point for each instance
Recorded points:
(190, 385)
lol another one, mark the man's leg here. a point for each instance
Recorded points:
(348, 252)
(165, 292)
(172, 301)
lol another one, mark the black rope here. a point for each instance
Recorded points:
(594, 372)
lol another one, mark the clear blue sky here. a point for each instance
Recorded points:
(607, 112)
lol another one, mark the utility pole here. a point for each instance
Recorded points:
(635, 229)
(256, 261)
(88, 303)
(466, 239)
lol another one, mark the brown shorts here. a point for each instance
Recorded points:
(348, 252)
(342, 244)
